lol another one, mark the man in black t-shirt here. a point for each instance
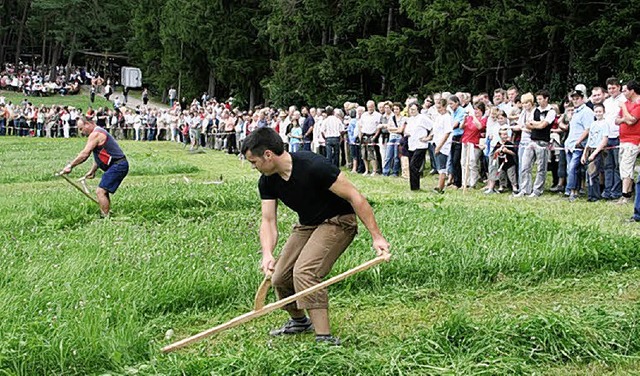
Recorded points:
(307, 128)
(326, 204)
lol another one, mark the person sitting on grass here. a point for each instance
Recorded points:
(107, 155)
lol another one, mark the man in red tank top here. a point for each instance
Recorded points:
(108, 156)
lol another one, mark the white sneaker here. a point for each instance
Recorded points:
(533, 195)
(520, 194)
(622, 201)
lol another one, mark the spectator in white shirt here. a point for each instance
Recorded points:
(332, 130)
(418, 129)
(369, 122)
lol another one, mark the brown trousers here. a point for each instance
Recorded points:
(308, 256)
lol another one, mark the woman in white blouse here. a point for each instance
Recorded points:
(418, 130)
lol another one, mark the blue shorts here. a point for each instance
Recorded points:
(114, 175)
(441, 163)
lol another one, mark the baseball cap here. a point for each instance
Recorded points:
(577, 93)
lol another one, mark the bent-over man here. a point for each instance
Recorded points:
(327, 205)
(107, 155)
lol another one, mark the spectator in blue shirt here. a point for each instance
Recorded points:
(578, 131)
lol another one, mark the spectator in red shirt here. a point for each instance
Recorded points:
(473, 126)
(629, 121)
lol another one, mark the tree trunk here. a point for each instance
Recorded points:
(4, 42)
(44, 42)
(389, 21)
(212, 83)
(57, 51)
(72, 50)
(252, 96)
(180, 72)
(50, 56)
(21, 31)
(548, 67)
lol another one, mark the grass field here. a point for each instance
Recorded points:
(477, 285)
(77, 101)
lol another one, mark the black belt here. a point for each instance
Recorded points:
(116, 161)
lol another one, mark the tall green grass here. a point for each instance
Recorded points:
(476, 285)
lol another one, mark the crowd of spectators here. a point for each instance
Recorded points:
(35, 80)
(504, 142)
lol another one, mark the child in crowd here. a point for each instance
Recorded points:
(492, 139)
(295, 136)
(597, 141)
(505, 156)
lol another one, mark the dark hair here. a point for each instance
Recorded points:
(612, 81)
(633, 85)
(352, 113)
(329, 110)
(480, 106)
(545, 93)
(598, 105)
(261, 140)
(454, 99)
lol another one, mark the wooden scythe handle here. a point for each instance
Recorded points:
(78, 188)
(275, 305)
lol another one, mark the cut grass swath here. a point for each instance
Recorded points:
(275, 305)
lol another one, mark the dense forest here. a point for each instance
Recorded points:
(321, 52)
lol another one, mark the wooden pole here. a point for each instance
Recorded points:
(465, 183)
(275, 305)
(80, 189)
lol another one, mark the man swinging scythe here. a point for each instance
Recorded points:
(327, 205)
(107, 156)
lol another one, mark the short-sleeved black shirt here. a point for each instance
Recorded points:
(307, 190)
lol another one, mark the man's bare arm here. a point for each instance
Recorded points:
(345, 189)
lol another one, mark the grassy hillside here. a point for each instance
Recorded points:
(81, 100)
